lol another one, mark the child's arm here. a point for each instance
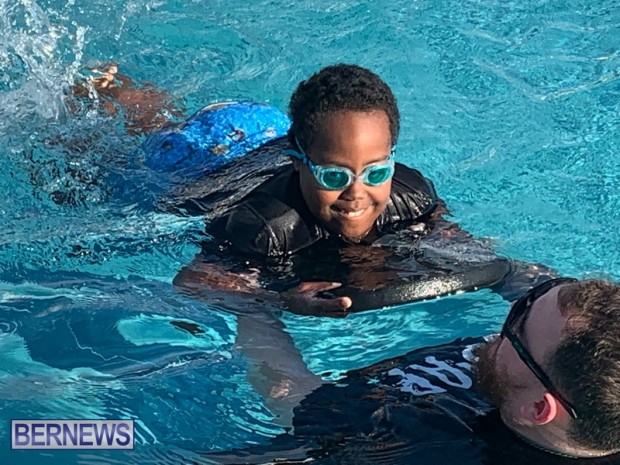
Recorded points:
(277, 370)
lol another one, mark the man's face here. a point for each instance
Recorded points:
(503, 376)
(354, 140)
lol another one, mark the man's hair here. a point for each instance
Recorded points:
(586, 364)
(334, 89)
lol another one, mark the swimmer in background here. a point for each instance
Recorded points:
(145, 108)
(546, 391)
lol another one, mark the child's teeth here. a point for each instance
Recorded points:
(355, 213)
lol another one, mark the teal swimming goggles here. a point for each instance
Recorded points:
(337, 178)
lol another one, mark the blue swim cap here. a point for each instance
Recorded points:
(214, 136)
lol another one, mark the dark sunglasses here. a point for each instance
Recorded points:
(337, 178)
(519, 312)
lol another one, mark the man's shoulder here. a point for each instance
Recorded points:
(427, 370)
(420, 399)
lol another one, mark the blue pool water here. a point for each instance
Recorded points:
(510, 107)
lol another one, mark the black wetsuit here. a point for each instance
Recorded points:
(274, 221)
(254, 206)
(417, 409)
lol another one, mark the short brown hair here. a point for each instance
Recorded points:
(586, 364)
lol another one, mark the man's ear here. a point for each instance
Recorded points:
(541, 411)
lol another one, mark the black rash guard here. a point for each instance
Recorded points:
(419, 409)
(273, 229)
(274, 221)
(254, 206)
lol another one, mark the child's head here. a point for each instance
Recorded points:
(345, 116)
(339, 88)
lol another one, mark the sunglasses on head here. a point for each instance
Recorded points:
(519, 312)
(336, 178)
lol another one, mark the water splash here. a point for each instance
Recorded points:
(40, 55)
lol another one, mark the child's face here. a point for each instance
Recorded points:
(355, 140)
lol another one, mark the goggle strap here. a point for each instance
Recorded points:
(296, 154)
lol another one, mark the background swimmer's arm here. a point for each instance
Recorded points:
(145, 108)
(276, 369)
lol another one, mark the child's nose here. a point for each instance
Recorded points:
(354, 191)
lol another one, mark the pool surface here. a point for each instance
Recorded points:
(510, 107)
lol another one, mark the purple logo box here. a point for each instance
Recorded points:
(72, 434)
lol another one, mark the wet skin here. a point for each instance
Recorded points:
(507, 377)
(525, 405)
(355, 140)
(541, 333)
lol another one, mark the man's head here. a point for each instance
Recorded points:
(344, 116)
(554, 372)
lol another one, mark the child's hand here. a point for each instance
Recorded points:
(304, 299)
